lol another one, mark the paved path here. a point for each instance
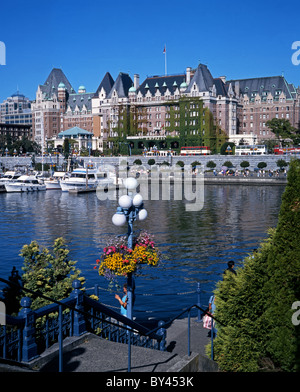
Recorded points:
(94, 354)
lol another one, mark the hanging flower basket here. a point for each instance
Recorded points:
(118, 259)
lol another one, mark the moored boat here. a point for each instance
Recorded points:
(84, 178)
(53, 183)
(25, 183)
(9, 176)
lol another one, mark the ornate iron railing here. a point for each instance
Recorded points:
(25, 337)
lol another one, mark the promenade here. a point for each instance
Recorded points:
(90, 353)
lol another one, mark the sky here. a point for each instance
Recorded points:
(236, 39)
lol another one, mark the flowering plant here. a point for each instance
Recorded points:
(118, 259)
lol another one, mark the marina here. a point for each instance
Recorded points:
(196, 246)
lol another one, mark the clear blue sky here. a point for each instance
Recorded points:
(86, 39)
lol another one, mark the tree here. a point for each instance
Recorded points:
(244, 164)
(211, 164)
(151, 161)
(281, 163)
(224, 148)
(254, 308)
(228, 164)
(195, 163)
(51, 274)
(262, 165)
(283, 129)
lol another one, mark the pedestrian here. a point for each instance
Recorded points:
(230, 267)
(211, 309)
(123, 301)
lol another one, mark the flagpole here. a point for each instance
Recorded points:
(165, 53)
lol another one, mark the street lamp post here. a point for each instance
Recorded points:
(131, 208)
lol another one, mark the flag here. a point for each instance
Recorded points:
(164, 49)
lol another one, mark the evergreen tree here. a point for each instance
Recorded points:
(254, 308)
(51, 274)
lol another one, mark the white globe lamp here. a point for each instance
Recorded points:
(130, 183)
(119, 219)
(142, 215)
(125, 201)
(137, 200)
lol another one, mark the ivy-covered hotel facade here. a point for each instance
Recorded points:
(170, 111)
(190, 109)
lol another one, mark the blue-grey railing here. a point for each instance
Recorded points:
(26, 336)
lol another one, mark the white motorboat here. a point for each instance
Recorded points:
(9, 176)
(25, 183)
(53, 182)
(86, 179)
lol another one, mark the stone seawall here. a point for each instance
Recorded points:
(270, 160)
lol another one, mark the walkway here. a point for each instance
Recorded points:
(93, 354)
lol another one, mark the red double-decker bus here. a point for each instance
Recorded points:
(286, 150)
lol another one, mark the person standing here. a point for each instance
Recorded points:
(123, 301)
(230, 268)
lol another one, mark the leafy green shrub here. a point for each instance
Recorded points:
(151, 161)
(228, 164)
(262, 165)
(254, 308)
(211, 164)
(244, 164)
(180, 163)
(51, 274)
(137, 162)
(281, 163)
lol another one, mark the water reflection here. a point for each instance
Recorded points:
(198, 244)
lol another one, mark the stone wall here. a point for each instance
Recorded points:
(11, 162)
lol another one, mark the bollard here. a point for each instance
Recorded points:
(163, 333)
(79, 327)
(29, 347)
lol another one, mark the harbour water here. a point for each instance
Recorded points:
(197, 244)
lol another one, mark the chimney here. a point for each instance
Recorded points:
(223, 78)
(136, 81)
(237, 88)
(188, 75)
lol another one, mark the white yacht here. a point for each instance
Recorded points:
(25, 183)
(9, 176)
(86, 179)
(53, 182)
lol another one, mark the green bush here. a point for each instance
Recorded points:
(262, 165)
(228, 164)
(211, 164)
(180, 163)
(254, 308)
(137, 162)
(51, 274)
(151, 161)
(281, 163)
(195, 163)
(244, 164)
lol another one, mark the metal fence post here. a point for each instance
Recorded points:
(29, 347)
(60, 338)
(79, 327)
(163, 333)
